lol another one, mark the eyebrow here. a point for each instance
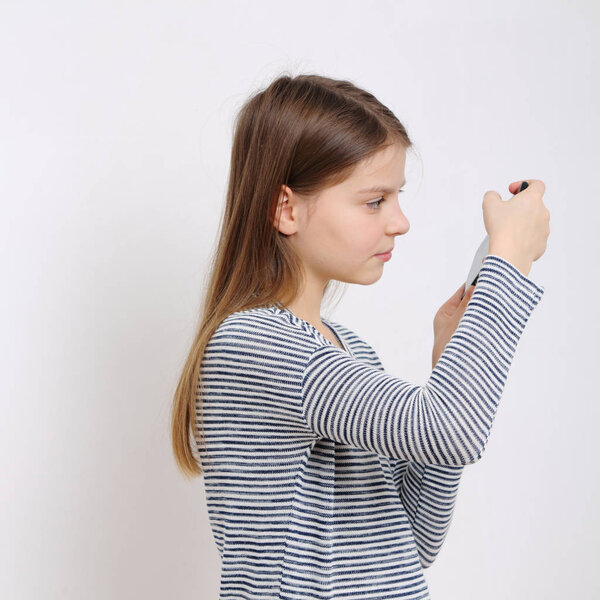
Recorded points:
(379, 189)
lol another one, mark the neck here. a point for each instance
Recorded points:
(307, 305)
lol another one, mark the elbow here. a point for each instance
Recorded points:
(428, 548)
(427, 558)
(468, 446)
(459, 455)
(429, 552)
(472, 457)
(453, 440)
(477, 452)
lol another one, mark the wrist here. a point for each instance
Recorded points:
(521, 263)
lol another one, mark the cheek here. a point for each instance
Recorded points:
(341, 231)
(354, 234)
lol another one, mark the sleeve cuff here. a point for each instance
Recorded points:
(528, 291)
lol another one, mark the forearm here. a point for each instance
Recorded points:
(446, 421)
(464, 389)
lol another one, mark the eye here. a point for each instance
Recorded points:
(375, 202)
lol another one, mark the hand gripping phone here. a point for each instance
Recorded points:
(480, 255)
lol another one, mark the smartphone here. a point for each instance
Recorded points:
(480, 255)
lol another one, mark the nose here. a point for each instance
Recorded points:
(398, 224)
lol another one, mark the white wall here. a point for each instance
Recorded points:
(116, 124)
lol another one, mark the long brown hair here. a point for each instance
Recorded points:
(307, 132)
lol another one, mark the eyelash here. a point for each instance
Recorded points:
(370, 204)
(380, 200)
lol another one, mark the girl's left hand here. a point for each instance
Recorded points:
(446, 320)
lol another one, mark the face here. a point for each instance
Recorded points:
(339, 233)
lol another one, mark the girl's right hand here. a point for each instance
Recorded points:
(518, 227)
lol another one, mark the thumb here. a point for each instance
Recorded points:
(491, 196)
(454, 301)
(469, 293)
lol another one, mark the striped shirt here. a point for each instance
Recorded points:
(328, 477)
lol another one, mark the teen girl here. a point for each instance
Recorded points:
(327, 477)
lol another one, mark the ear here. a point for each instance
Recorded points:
(286, 213)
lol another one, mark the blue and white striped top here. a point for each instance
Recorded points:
(328, 477)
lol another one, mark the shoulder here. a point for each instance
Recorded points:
(264, 332)
(360, 348)
(271, 335)
(254, 363)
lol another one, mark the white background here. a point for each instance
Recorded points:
(115, 133)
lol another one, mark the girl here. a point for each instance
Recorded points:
(327, 477)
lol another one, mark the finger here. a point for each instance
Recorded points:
(454, 301)
(469, 293)
(514, 187)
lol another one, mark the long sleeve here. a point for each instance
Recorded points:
(428, 493)
(448, 420)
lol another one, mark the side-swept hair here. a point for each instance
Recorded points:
(307, 132)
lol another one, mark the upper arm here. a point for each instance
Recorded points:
(346, 400)
(448, 420)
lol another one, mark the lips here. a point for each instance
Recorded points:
(384, 252)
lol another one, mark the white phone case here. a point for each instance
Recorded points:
(482, 252)
(480, 255)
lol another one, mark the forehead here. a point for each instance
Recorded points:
(382, 172)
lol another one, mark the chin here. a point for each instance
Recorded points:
(366, 279)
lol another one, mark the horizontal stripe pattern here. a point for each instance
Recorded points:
(327, 477)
